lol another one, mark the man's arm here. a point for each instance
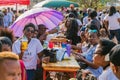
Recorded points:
(21, 54)
(40, 54)
(106, 24)
(119, 20)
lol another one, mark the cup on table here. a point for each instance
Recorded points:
(51, 45)
(68, 49)
(63, 45)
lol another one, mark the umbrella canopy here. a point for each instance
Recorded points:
(49, 17)
(55, 3)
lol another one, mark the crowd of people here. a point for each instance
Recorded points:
(8, 16)
(90, 33)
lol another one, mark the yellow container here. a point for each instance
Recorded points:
(24, 45)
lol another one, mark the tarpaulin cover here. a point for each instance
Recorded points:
(11, 2)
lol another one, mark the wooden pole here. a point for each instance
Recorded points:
(17, 8)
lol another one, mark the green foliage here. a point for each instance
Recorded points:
(91, 3)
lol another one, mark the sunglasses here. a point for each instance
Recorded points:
(28, 30)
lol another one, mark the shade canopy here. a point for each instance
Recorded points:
(11, 2)
(55, 3)
(49, 17)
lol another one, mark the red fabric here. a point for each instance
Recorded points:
(11, 2)
(23, 74)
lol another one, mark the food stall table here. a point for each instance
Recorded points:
(67, 65)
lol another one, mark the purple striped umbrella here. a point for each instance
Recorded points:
(49, 17)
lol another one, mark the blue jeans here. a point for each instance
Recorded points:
(30, 74)
(115, 33)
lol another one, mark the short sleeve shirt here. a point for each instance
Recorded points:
(30, 55)
(107, 75)
(113, 21)
(96, 72)
(89, 53)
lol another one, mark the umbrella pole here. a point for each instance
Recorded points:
(35, 21)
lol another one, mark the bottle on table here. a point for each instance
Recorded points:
(45, 45)
(68, 49)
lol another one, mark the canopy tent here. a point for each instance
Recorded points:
(14, 2)
(11, 2)
(55, 3)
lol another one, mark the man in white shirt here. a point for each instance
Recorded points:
(86, 19)
(33, 51)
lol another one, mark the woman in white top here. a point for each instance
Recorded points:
(112, 23)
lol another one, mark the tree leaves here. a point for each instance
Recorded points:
(91, 3)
